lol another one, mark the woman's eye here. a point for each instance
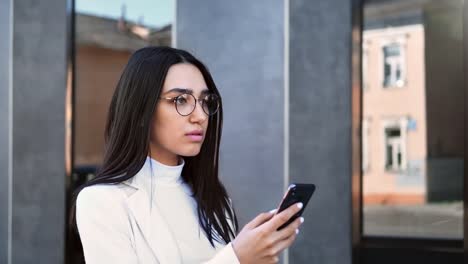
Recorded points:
(180, 100)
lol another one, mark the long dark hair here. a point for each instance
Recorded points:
(128, 131)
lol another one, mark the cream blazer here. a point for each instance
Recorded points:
(117, 225)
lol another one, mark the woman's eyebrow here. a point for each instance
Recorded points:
(179, 90)
(185, 90)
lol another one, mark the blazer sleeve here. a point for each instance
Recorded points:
(104, 227)
(224, 256)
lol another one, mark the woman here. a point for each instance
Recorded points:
(157, 197)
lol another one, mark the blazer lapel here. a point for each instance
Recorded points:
(152, 223)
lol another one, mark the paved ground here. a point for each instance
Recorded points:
(441, 220)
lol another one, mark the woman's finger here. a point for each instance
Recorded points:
(285, 243)
(260, 219)
(287, 231)
(282, 217)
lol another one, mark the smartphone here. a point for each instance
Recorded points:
(298, 192)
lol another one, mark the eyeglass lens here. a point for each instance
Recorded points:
(185, 104)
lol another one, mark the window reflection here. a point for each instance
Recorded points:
(412, 126)
(106, 36)
(393, 65)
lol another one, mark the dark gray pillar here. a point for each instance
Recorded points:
(320, 126)
(5, 135)
(35, 116)
(284, 72)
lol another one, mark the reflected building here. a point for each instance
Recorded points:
(103, 47)
(394, 115)
(412, 153)
(412, 118)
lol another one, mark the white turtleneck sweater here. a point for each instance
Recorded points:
(173, 198)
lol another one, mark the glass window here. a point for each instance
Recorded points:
(413, 150)
(106, 35)
(395, 156)
(393, 65)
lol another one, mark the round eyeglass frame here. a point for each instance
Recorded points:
(202, 103)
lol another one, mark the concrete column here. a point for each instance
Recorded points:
(284, 71)
(32, 112)
(241, 42)
(5, 134)
(320, 126)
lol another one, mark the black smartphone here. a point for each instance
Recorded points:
(298, 192)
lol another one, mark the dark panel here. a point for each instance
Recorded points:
(465, 168)
(320, 126)
(409, 256)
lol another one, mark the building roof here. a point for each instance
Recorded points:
(118, 34)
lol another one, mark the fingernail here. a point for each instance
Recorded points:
(273, 211)
(300, 205)
(302, 220)
(297, 231)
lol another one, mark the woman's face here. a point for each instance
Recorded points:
(171, 133)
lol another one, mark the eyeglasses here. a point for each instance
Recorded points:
(185, 103)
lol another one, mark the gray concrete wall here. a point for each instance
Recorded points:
(38, 87)
(243, 43)
(5, 113)
(320, 126)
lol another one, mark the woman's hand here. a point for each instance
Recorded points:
(259, 242)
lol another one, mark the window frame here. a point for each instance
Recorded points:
(400, 123)
(389, 39)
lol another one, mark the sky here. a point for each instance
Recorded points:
(155, 13)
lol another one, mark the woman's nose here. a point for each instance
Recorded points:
(198, 114)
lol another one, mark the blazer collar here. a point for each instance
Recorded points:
(150, 220)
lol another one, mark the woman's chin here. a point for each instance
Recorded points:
(190, 152)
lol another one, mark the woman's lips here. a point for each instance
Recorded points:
(195, 137)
